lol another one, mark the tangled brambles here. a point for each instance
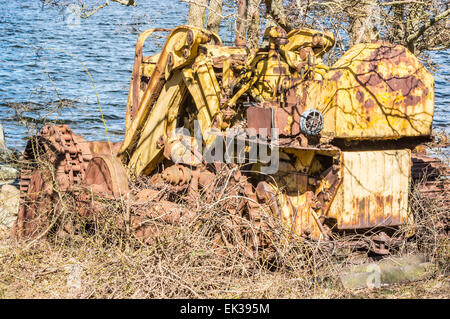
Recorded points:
(430, 228)
(161, 242)
(100, 257)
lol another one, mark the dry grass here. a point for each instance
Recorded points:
(182, 263)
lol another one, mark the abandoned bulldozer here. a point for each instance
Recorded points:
(325, 150)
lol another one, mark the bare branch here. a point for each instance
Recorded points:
(214, 15)
(427, 25)
(87, 13)
(127, 3)
(277, 15)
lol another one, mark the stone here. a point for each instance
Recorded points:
(11, 156)
(386, 272)
(9, 205)
(2, 139)
(8, 174)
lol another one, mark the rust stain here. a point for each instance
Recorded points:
(412, 100)
(380, 200)
(336, 76)
(279, 70)
(369, 104)
(389, 199)
(405, 85)
(369, 75)
(360, 96)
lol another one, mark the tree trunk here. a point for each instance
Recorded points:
(275, 15)
(197, 9)
(253, 24)
(241, 23)
(364, 23)
(398, 30)
(416, 14)
(214, 15)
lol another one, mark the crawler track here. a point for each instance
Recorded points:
(432, 177)
(55, 160)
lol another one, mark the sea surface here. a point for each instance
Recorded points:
(49, 55)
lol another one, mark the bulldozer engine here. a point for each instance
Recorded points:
(326, 150)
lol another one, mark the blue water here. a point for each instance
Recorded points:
(44, 52)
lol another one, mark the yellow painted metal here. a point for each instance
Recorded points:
(142, 67)
(149, 66)
(180, 49)
(320, 42)
(298, 215)
(377, 91)
(311, 42)
(374, 189)
(201, 95)
(273, 73)
(303, 159)
(296, 199)
(148, 151)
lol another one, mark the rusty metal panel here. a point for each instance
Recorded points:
(258, 117)
(382, 91)
(374, 189)
(287, 120)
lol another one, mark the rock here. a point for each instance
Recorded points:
(8, 174)
(9, 205)
(8, 155)
(2, 139)
(386, 272)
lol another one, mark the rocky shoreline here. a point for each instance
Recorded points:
(9, 183)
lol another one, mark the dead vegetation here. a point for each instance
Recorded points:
(101, 259)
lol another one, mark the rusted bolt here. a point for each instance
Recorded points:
(317, 40)
(160, 142)
(303, 54)
(205, 38)
(170, 60)
(190, 37)
(176, 174)
(186, 53)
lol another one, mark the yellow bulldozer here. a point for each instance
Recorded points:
(325, 150)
